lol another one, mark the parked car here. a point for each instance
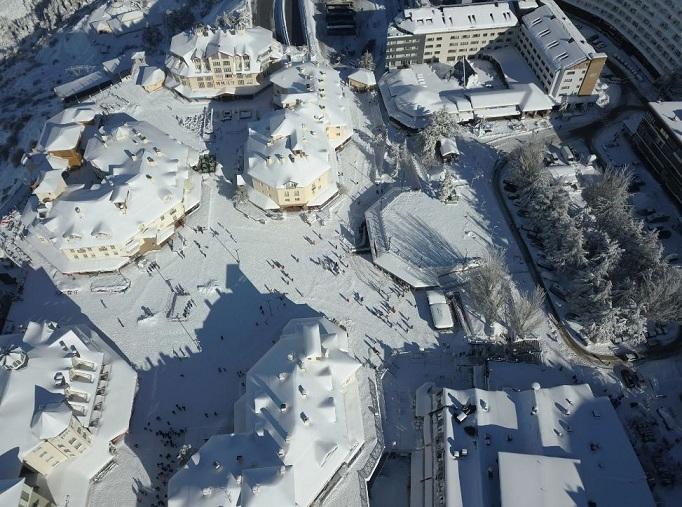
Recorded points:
(556, 289)
(645, 212)
(440, 309)
(664, 234)
(545, 266)
(657, 218)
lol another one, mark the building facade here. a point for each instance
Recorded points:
(66, 401)
(566, 65)
(209, 62)
(658, 139)
(146, 188)
(651, 29)
(448, 33)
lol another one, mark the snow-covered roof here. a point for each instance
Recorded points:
(241, 469)
(574, 440)
(287, 147)
(413, 94)
(556, 37)
(670, 113)
(417, 238)
(10, 491)
(144, 169)
(297, 423)
(35, 405)
(64, 129)
(556, 481)
(448, 146)
(455, 18)
(50, 182)
(118, 17)
(317, 91)
(150, 75)
(256, 43)
(363, 76)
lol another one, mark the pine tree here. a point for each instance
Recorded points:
(442, 124)
(367, 61)
(447, 187)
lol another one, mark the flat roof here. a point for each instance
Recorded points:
(670, 113)
(454, 18)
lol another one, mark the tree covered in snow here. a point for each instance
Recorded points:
(442, 124)
(527, 163)
(447, 190)
(487, 285)
(660, 294)
(367, 61)
(522, 312)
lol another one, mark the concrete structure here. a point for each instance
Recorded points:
(566, 65)
(560, 446)
(658, 139)
(448, 33)
(66, 401)
(146, 188)
(208, 63)
(651, 30)
(296, 425)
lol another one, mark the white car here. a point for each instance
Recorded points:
(440, 310)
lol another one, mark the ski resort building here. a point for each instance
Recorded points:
(560, 446)
(448, 33)
(145, 188)
(315, 90)
(296, 426)
(208, 62)
(289, 162)
(565, 63)
(66, 402)
(61, 135)
(290, 159)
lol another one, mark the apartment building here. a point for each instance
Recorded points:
(649, 29)
(448, 33)
(209, 62)
(658, 139)
(146, 188)
(566, 65)
(66, 402)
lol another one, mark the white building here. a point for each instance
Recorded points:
(296, 425)
(565, 63)
(66, 402)
(560, 446)
(315, 90)
(448, 33)
(147, 187)
(118, 17)
(651, 30)
(208, 63)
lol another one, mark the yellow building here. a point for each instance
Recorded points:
(290, 162)
(208, 63)
(62, 133)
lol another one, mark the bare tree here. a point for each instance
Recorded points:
(523, 312)
(488, 284)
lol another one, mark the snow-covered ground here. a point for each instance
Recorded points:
(221, 270)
